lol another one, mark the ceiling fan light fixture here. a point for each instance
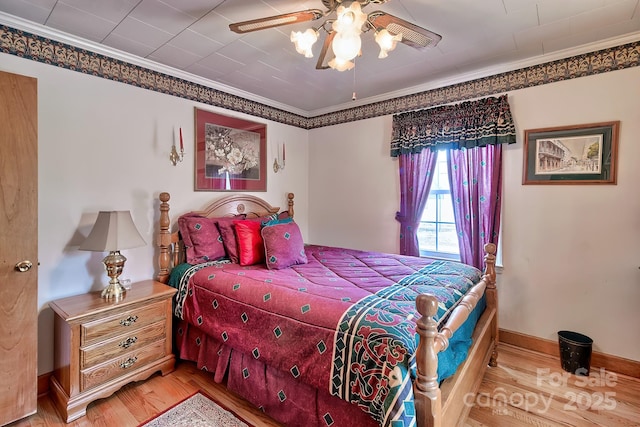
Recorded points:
(347, 27)
(386, 41)
(304, 41)
(344, 22)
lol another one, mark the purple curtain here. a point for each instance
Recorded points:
(475, 177)
(416, 174)
(473, 132)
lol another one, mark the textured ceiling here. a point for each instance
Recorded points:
(479, 37)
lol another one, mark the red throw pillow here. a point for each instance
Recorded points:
(250, 243)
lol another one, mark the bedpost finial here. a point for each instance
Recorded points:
(427, 305)
(490, 248)
(290, 204)
(164, 197)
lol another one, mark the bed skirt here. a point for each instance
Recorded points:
(276, 393)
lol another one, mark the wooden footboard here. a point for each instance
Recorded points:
(439, 406)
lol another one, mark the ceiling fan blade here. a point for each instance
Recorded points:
(412, 35)
(276, 21)
(326, 54)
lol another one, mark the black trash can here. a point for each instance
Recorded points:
(575, 352)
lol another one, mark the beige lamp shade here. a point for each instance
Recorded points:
(113, 231)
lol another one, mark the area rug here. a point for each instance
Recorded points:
(198, 410)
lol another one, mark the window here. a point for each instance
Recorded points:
(437, 235)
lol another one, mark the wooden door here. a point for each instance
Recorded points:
(18, 244)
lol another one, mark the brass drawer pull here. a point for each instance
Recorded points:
(129, 362)
(128, 342)
(129, 321)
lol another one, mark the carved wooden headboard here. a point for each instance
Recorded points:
(172, 251)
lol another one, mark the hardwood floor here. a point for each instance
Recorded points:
(526, 389)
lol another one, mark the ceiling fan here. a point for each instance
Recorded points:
(344, 24)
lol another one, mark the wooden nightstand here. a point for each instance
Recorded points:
(102, 345)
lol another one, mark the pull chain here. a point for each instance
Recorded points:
(353, 97)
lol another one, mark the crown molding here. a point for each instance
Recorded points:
(87, 57)
(80, 43)
(485, 72)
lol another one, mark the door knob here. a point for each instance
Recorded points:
(24, 266)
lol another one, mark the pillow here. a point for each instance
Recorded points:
(225, 225)
(283, 246)
(227, 230)
(250, 243)
(201, 238)
(277, 221)
(284, 215)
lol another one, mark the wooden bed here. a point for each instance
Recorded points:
(436, 404)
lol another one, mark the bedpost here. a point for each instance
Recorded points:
(426, 391)
(492, 294)
(290, 204)
(164, 239)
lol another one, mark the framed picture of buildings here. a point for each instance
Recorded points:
(230, 153)
(578, 154)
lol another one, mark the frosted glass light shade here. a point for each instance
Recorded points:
(304, 41)
(386, 41)
(341, 65)
(346, 46)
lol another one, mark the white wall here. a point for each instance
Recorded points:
(354, 186)
(571, 252)
(104, 146)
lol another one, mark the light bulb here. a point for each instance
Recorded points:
(348, 17)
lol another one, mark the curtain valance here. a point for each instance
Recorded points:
(469, 124)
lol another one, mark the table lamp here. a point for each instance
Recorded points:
(113, 231)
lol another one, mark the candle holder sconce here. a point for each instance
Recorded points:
(174, 156)
(277, 164)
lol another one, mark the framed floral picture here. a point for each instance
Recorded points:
(230, 153)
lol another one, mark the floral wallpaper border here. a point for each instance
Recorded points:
(40, 49)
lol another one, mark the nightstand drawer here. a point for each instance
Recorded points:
(121, 366)
(102, 329)
(117, 346)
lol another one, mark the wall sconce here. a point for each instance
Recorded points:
(174, 157)
(277, 165)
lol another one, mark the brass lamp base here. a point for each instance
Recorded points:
(114, 264)
(113, 291)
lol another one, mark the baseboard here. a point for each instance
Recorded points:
(612, 363)
(43, 383)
